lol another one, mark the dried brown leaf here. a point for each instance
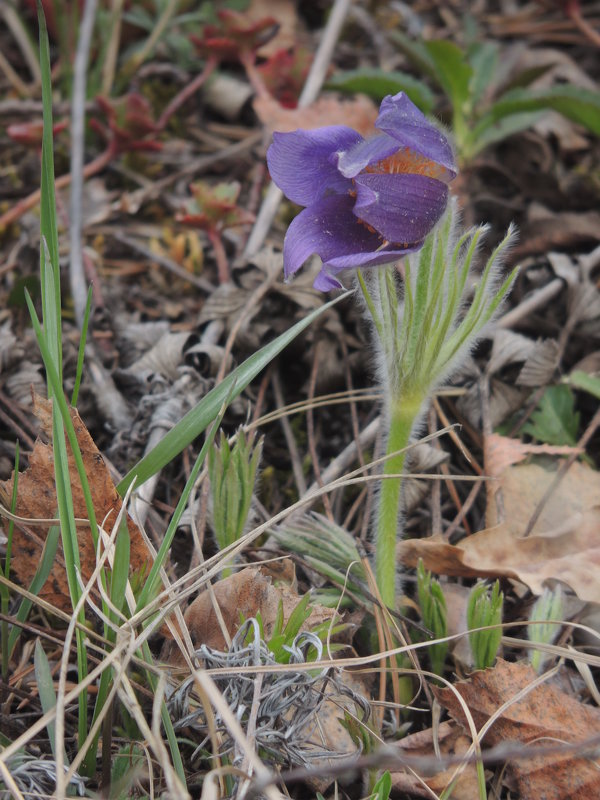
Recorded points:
(240, 596)
(565, 544)
(451, 741)
(557, 232)
(571, 556)
(546, 715)
(36, 499)
(359, 113)
(502, 452)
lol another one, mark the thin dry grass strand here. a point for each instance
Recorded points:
(210, 789)
(10, 781)
(588, 678)
(213, 565)
(86, 590)
(105, 552)
(129, 699)
(321, 401)
(120, 666)
(43, 721)
(553, 649)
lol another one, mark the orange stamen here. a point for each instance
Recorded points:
(407, 162)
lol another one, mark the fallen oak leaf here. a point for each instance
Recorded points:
(544, 715)
(36, 499)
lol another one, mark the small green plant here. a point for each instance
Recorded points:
(232, 471)
(434, 614)
(423, 335)
(383, 787)
(555, 420)
(484, 608)
(486, 104)
(282, 638)
(549, 606)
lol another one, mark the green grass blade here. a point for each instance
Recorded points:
(39, 579)
(50, 284)
(62, 406)
(152, 580)
(45, 685)
(200, 417)
(4, 590)
(120, 571)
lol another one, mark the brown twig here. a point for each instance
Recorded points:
(214, 237)
(186, 93)
(573, 11)
(29, 202)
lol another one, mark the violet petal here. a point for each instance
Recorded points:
(402, 120)
(304, 163)
(326, 279)
(329, 229)
(376, 258)
(402, 208)
(369, 151)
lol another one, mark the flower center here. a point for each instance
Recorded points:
(406, 162)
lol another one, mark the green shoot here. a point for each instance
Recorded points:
(434, 614)
(484, 609)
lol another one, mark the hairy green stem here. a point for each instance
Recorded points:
(403, 415)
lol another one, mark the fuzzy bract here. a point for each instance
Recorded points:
(367, 201)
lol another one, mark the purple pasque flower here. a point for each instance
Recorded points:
(368, 201)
